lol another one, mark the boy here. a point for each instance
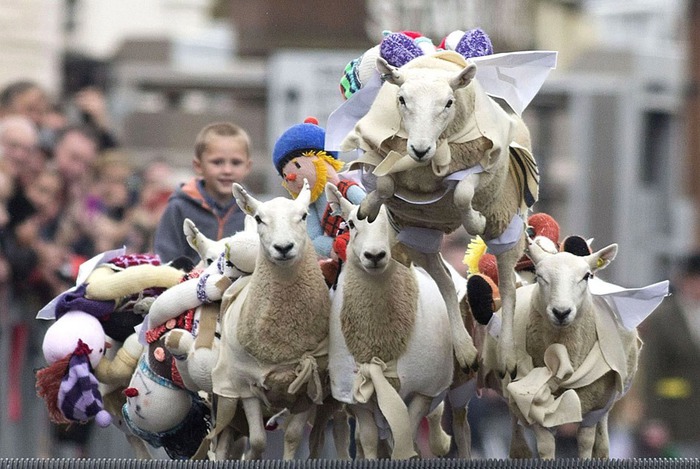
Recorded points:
(222, 157)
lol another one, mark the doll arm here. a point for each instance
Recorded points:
(355, 194)
(322, 243)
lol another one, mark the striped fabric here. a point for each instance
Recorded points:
(78, 397)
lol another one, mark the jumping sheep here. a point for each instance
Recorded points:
(441, 153)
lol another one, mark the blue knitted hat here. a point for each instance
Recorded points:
(297, 139)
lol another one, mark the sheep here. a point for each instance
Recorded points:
(387, 353)
(274, 330)
(575, 359)
(445, 154)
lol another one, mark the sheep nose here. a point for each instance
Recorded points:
(375, 258)
(283, 248)
(419, 153)
(561, 314)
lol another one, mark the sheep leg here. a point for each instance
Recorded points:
(472, 220)
(519, 448)
(506, 284)
(341, 434)
(464, 350)
(545, 441)
(294, 433)
(585, 437)
(601, 446)
(438, 439)
(461, 432)
(256, 431)
(368, 432)
(369, 207)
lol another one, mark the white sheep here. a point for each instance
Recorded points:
(575, 359)
(442, 153)
(275, 327)
(389, 352)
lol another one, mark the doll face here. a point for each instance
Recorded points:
(296, 170)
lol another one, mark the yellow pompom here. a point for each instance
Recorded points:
(475, 249)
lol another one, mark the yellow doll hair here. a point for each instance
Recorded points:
(475, 250)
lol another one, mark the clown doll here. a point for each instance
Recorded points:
(299, 154)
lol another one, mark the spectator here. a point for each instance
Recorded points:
(74, 158)
(111, 200)
(26, 98)
(156, 183)
(671, 346)
(92, 106)
(222, 157)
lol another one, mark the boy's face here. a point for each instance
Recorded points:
(224, 162)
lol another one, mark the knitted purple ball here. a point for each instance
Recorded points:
(399, 49)
(474, 43)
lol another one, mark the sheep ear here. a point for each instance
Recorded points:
(535, 251)
(389, 72)
(245, 201)
(601, 259)
(304, 197)
(191, 232)
(339, 204)
(464, 77)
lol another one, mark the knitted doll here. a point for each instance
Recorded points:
(73, 346)
(299, 154)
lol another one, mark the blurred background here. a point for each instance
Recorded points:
(615, 126)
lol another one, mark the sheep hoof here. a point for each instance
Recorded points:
(369, 207)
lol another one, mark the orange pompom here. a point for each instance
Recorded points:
(489, 267)
(311, 120)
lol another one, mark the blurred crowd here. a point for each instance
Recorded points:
(67, 192)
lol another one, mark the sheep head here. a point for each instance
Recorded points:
(426, 102)
(370, 241)
(281, 223)
(562, 280)
(208, 249)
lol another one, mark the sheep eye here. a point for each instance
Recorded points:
(402, 101)
(587, 277)
(303, 217)
(449, 103)
(351, 224)
(259, 220)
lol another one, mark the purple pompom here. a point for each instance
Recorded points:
(399, 49)
(103, 419)
(474, 43)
